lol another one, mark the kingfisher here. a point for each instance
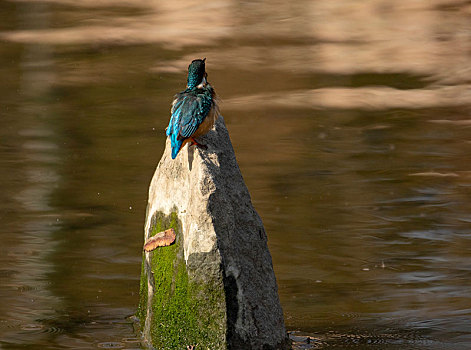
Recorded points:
(194, 110)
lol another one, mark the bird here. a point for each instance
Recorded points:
(194, 110)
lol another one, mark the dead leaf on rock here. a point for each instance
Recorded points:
(161, 239)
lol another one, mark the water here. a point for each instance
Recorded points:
(351, 123)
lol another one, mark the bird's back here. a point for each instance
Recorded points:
(189, 111)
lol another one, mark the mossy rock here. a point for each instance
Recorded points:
(185, 309)
(215, 286)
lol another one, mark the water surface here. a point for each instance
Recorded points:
(351, 124)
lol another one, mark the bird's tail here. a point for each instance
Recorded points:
(176, 145)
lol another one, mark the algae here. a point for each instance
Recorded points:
(142, 308)
(185, 310)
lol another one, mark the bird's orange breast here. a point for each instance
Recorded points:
(208, 122)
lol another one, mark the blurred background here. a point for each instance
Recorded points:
(351, 122)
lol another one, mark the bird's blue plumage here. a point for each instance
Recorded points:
(191, 107)
(188, 112)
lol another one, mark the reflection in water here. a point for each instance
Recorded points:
(360, 98)
(26, 298)
(350, 121)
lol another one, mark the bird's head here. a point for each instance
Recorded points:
(196, 73)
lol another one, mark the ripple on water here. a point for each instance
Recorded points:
(386, 339)
(53, 330)
(305, 341)
(36, 327)
(429, 235)
(111, 345)
(32, 327)
(9, 324)
(131, 340)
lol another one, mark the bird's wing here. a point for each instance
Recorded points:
(174, 123)
(189, 111)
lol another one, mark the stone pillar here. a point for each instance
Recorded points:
(215, 286)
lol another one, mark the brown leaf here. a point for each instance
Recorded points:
(161, 239)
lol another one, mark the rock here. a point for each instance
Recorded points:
(215, 286)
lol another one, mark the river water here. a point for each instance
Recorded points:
(351, 121)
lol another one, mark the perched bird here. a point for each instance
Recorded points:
(194, 110)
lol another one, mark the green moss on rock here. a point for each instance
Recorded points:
(143, 291)
(185, 310)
